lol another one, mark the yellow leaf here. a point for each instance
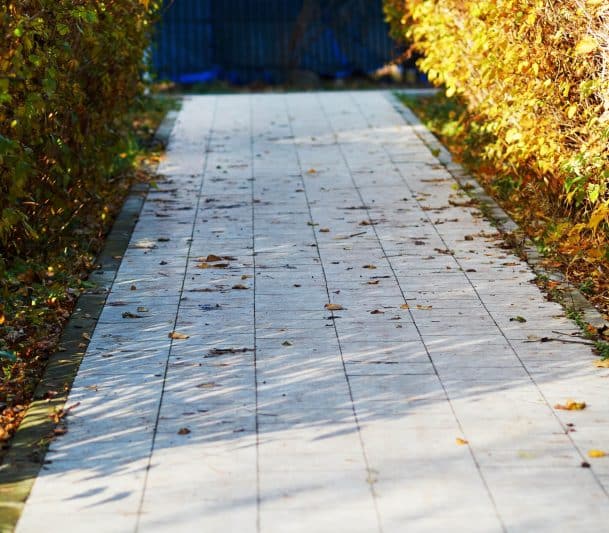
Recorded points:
(596, 454)
(601, 363)
(178, 335)
(404, 306)
(2, 319)
(571, 405)
(571, 111)
(587, 45)
(597, 216)
(333, 307)
(513, 135)
(424, 307)
(461, 442)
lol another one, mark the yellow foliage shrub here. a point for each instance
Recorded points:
(536, 72)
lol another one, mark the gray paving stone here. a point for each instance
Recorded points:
(277, 414)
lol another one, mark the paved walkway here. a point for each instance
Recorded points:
(419, 400)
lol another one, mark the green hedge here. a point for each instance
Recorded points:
(69, 70)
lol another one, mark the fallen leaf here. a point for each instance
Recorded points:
(311, 171)
(377, 312)
(571, 405)
(205, 265)
(370, 267)
(365, 223)
(127, 314)
(142, 309)
(374, 282)
(133, 288)
(596, 454)
(585, 464)
(2, 319)
(177, 335)
(211, 258)
(469, 237)
(520, 319)
(215, 352)
(86, 336)
(601, 363)
(287, 343)
(461, 442)
(163, 239)
(333, 307)
(425, 307)
(207, 385)
(183, 431)
(404, 306)
(240, 287)
(324, 230)
(246, 276)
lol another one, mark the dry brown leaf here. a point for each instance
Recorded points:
(333, 307)
(374, 282)
(240, 287)
(324, 230)
(571, 405)
(207, 385)
(425, 307)
(178, 336)
(183, 431)
(404, 306)
(365, 223)
(461, 442)
(377, 312)
(211, 258)
(214, 265)
(127, 314)
(601, 363)
(215, 352)
(311, 171)
(370, 267)
(596, 454)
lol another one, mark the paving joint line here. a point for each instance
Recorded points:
(437, 374)
(412, 317)
(340, 348)
(257, 422)
(171, 343)
(506, 226)
(22, 462)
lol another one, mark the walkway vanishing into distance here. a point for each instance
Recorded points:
(313, 331)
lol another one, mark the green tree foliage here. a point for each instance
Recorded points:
(69, 70)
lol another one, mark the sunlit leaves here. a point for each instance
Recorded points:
(534, 76)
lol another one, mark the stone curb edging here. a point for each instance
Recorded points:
(25, 457)
(503, 222)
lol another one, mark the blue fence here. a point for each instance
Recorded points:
(270, 40)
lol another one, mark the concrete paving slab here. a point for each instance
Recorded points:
(238, 401)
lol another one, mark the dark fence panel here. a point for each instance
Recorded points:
(270, 40)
